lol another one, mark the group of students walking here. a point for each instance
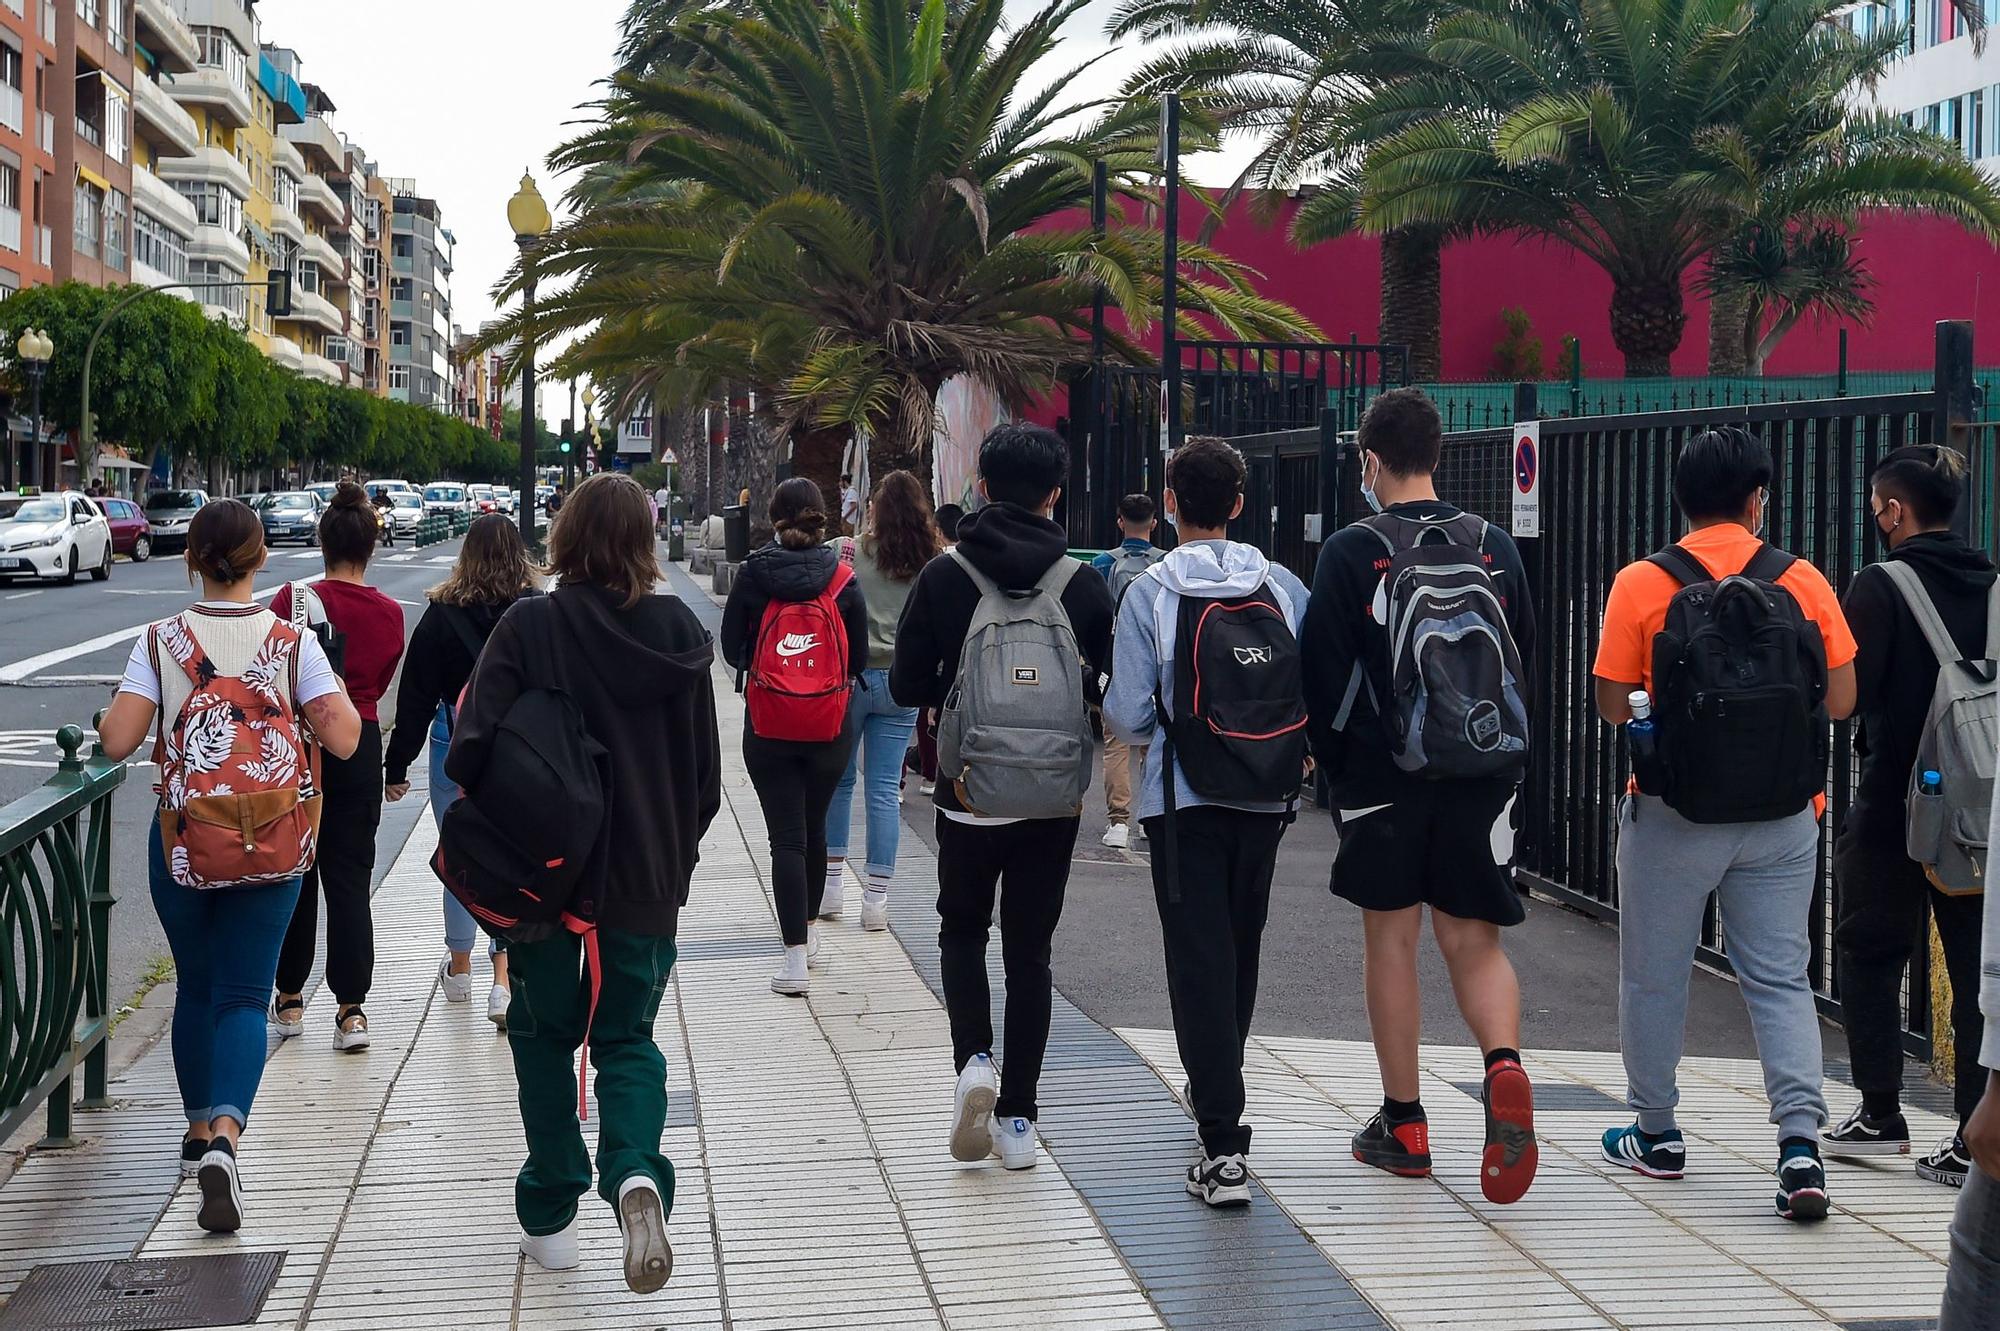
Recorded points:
(1400, 683)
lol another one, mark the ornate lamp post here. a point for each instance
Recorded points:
(34, 348)
(528, 215)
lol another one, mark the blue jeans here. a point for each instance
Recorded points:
(225, 943)
(882, 733)
(461, 931)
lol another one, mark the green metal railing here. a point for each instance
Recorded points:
(55, 922)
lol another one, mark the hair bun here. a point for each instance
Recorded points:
(349, 495)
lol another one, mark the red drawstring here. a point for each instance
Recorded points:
(593, 968)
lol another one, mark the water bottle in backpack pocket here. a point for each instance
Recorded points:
(1014, 734)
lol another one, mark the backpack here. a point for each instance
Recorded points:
(1946, 826)
(1739, 675)
(799, 681)
(309, 615)
(1457, 706)
(1127, 565)
(1014, 733)
(1238, 722)
(239, 779)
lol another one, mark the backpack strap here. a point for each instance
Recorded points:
(984, 585)
(1683, 567)
(1768, 564)
(1055, 578)
(1924, 610)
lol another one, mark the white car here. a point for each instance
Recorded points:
(506, 499)
(406, 512)
(376, 489)
(449, 497)
(53, 536)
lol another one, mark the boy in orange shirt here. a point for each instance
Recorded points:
(1673, 852)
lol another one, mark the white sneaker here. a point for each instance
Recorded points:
(978, 1088)
(457, 988)
(648, 1259)
(927, 789)
(812, 946)
(874, 912)
(1117, 836)
(552, 1252)
(350, 1032)
(290, 1024)
(1014, 1142)
(791, 978)
(221, 1192)
(497, 999)
(834, 900)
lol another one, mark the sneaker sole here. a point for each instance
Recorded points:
(1805, 1204)
(1234, 1195)
(349, 1044)
(971, 1139)
(287, 1030)
(1950, 1178)
(1507, 1166)
(1839, 1150)
(1402, 1169)
(791, 988)
(1637, 1167)
(648, 1259)
(221, 1206)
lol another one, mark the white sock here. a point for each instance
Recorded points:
(876, 890)
(835, 875)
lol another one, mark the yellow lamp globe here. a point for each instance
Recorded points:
(526, 211)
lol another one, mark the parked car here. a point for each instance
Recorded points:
(376, 489)
(169, 512)
(506, 499)
(483, 498)
(291, 515)
(323, 491)
(251, 497)
(131, 534)
(448, 497)
(405, 513)
(53, 536)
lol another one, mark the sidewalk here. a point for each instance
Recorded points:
(815, 1191)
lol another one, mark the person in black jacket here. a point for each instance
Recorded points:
(637, 664)
(794, 779)
(1013, 542)
(1883, 894)
(491, 574)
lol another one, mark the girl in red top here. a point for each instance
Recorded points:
(366, 632)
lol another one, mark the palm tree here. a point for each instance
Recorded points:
(853, 203)
(1287, 74)
(1636, 133)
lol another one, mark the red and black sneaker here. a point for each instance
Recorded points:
(1403, 1149)
(1507, 1166)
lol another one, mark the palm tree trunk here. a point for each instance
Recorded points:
(1412, 289)
(737, 457)
(900, 440)
(817, 455)
(760, 471)
(1728, 316)
(1648, 319)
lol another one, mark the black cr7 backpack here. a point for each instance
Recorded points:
(1740, 674)
(1238, 724)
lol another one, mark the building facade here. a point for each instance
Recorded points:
(91, 100)
(29, 69)
(420, 266)
(1942, 83)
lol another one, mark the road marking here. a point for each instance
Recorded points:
(18, 595)
(303, 554)
(399, 559)
(20, 670)
(145, 591)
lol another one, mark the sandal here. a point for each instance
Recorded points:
(350, 1029)
(288, 1025)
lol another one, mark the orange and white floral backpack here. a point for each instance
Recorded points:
(239, 774)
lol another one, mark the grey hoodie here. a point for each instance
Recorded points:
(1143, 648)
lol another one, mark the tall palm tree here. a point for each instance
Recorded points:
(860, 209)
(1617, 129)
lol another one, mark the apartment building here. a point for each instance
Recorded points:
(219, 94)
(473, 397)
(163, 220)
(28, 69)
(1942, 83)
(420, 266)
(378, 208)
(90, 97)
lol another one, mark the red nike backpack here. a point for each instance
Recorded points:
(799, 681)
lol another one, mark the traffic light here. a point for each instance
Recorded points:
(89, 427)
(279, 299)
(564, 446)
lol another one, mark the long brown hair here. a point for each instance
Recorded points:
(902, 536)
(492, 567)
(604, 536)
(349, 528)
(225, 542)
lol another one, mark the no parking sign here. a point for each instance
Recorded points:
(1527, 479)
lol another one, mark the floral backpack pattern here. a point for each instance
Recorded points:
(239, 779)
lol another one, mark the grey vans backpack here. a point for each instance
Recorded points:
(1127, 565)
(1946, 826)
(1014, 736)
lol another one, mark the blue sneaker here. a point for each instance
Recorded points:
(1662, 1156)
(1801, 1181)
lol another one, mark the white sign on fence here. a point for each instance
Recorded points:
(1527, 479)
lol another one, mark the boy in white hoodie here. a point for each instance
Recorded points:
(1212, 870)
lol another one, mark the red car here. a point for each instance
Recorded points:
(130, 534)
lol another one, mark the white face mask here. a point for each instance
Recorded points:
(1763, 512)
(1367, 490)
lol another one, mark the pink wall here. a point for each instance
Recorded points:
(1925, 269)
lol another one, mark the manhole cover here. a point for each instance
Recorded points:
(156, 1295)
(1559, 1097)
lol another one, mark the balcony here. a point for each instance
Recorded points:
(172, 43)
(315, 138)
(286, 157)
(210, 87)
(223, 247)
(216, 166)
(317, 248)
(316, 196)
(10, 107)
(345, 351)
(285, 222)
(286, 353)
(10, 230)
(155, 197)
(322, 369)
(315, 311)
(162, 121)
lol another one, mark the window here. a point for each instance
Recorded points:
(89, 217)
(114, 25)
(399, 377)
(159, 247)
(220, 51)
(117, 122)
(115, 212)
(1975, 124)
(402, 288)
(307, 276)
(286, 194)
(10, 207)
(399, 335)
(401, 246)
(213, 205)
(87, 11)
(231, 298)
(10, 88)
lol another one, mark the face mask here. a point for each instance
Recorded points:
(1367, 490)
(1763, 511)
(1882, 536)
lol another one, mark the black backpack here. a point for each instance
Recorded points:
(1740, 674)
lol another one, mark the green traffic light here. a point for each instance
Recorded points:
(565, 445)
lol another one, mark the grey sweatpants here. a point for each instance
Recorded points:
(1762, 874)
(1972, 1282)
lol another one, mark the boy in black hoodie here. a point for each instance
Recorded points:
(1013, 542)
(1882, 892)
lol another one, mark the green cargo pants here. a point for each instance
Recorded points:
(545, 1024)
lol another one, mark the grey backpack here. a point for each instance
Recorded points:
(1951, 784)
(1127, 565)
(1014, 736)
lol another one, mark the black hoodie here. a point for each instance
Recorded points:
(642, 678)
(435, 668)
(783, 573)
(1896, 669)
(1014, 547)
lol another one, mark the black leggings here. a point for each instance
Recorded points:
(795, 783)
(344, 871)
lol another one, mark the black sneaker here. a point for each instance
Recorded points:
(1801, 1182)
(1403, 1149)
(1860, 1136)
(221, 1190)
(1221, 1181)
(192, 1150)
(1947, 1162)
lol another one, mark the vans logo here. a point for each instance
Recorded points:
(1027, 675)
(1253, 656)
(796, 644)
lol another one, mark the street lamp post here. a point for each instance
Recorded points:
(528, 215)
(34, 348)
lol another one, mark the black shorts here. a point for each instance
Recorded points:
(1433, 844)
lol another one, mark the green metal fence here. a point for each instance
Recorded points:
(55, 919)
